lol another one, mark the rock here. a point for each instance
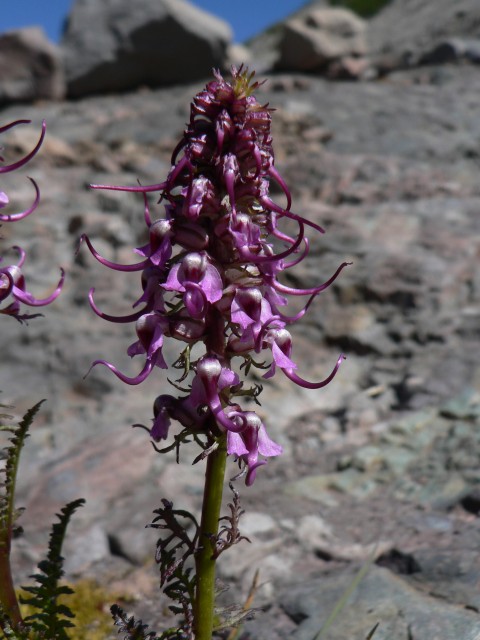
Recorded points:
(265, 47)
(323, 41)
(410, 32)
(90, 546)
(30, 67)
(382, 598)
(449, 574)
(317, 536)
(314, 532)
(453, 50)
(254, 523)
(465, 406)
(348, 68)
(114, 46)
(238, 54)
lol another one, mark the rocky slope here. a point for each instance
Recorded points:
(383, 463)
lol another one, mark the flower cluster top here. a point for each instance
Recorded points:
(12, 281)
(210, 271)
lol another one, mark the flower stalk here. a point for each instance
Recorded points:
(211, 279)
(205, 560)
(8, 597)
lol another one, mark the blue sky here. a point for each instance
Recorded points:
(247, 17)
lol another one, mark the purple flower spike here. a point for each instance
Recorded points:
(252, 442)
(14, 217)
(215, 378)
(112, 265)
(161, 423)
(23, 161)
(150, 330)
(12, 280)
(247, 307)
(143, 375)
(22, 295)
(199, 280)
(281, 345)
(200, 198)
(132, 317)
(6, 283)
(140, 189)
(159, 249)
(314, 385)
(212, 273)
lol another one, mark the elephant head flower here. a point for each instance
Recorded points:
(211, 269)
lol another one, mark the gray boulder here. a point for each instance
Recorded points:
(265, 47)
(323, 40)
(409, 32)
(117, 45)
(382, 598)
(30, 67)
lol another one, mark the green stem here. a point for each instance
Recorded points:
(8, 597)
(205, 563)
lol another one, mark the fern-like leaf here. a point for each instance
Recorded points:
(5, 416)
(51, 617)
(134, 630)
(229, 533)
(12, 455)
(8, 513)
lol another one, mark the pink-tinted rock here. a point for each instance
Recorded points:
(30, 67)
(319, 38)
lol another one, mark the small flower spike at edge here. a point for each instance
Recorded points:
(12, 280)
(13, 294)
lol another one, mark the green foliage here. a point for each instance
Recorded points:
(51, 616)
(10, 617)
(8, 514)
(364, 8)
